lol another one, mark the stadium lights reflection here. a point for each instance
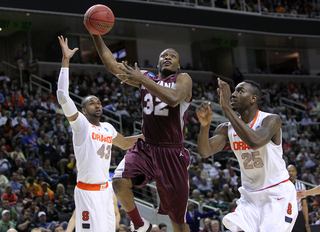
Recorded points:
(27, 14)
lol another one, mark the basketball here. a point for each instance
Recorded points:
(99, 19)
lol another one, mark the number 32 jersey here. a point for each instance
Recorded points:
(260, 168)
(92, 147)
(161, 122)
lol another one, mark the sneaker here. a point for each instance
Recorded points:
(145, 228)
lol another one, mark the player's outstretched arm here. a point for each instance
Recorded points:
(206, 146)
(304, 193)
(68, 106)
(108, 59)
(126, 142)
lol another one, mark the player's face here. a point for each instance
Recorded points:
(169, 61)
(241, 97)
(93, 108)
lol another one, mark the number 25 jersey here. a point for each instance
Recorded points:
(260, 168)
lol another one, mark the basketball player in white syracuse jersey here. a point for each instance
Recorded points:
(92, 143)
(268, 199)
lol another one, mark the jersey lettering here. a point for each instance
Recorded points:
(101, 138)
(240, 146)
(101, 152)
(254, 157)
(159, 109)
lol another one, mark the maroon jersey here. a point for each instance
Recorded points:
(161, 122)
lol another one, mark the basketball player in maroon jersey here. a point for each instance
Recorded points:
(165, 101)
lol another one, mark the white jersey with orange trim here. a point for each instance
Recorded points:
(260, 168)
(92, 147)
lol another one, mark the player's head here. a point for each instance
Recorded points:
(246, 94)
(91, 107)
(169, 62)
(292, 172)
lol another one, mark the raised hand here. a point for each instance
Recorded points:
(133, 75)
(66, 51)
(204, 113)
(224, 92)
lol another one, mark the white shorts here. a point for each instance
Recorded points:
(94, 210)
(272, 209)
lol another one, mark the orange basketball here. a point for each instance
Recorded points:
(99, 19)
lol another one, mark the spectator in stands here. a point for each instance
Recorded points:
(6, 206)
(17, 150)
(216, 185)
(30, 141)
(3, 183)
(33, 187)
(60, 158)
(4, 164)
(9, 195)
(226, 195)
(5, 222)
(42, 218)
(15, 182)
(45, 198)
(54, 178)
(193, 217)
(62, 206)
(24, 195)
(196, 196)
(46, 189)
(52, 212)
(34, 206)
(215, 226)
(204, 186)
(60, 191)
(197, 178)
(214, 172)
(206, 225)
(25, 223)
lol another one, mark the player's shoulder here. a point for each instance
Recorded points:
(222, 128)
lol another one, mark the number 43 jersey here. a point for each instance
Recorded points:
(161, 122)
(261, 168)
(92, 147)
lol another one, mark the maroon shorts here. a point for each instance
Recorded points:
(168, 165)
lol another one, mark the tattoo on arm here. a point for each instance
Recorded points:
(272, 123)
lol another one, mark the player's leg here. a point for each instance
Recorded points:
(180, 227)
(133, 170)
(173, 185)
(281, 209)
(122, 189)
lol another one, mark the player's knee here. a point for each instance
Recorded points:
(118, 184)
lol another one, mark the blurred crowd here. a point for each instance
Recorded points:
(296, 7)
(38, 167)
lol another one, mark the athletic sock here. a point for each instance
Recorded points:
(135, 217)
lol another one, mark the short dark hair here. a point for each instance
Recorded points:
(85, 100)
(256, 89)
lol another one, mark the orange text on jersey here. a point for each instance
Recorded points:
(240, 146)
(101, 138)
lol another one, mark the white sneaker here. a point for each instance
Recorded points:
(145, 228)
